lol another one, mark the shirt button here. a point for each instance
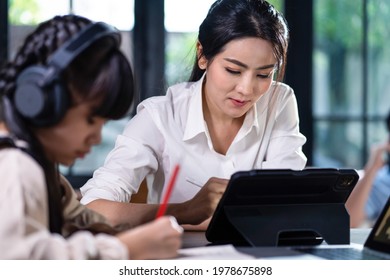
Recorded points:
(229, 167)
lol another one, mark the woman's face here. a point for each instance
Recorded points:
(238, 76)
(73, 137)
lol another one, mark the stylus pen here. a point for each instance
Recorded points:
(194, 182)
(171, 184)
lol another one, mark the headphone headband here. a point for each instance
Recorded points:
(86, 37)
(41, 97)
(80, 42)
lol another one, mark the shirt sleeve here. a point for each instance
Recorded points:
(133, 157)
(24, 232)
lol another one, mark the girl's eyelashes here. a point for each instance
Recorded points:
(96, 120)
(91, 120)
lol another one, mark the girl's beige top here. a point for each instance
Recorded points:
(24, 218)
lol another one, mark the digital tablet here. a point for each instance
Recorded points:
(252, 197)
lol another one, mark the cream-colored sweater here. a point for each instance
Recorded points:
(24, 226)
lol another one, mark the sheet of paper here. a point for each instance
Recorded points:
(217, 252)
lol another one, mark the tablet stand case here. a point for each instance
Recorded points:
(277, 216)
(287, 225)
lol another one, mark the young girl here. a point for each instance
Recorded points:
(65, 82)
(230, 116)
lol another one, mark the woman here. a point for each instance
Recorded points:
(68, 78)
(230, 116)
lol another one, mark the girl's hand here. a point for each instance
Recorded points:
(159, 239)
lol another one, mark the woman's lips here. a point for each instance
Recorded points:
(238, 103)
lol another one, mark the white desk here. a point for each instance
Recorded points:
(202, 249)
(198, 239)
(359, 235)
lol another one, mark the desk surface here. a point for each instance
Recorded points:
(359, 235)
(198, 242)
(198, 239)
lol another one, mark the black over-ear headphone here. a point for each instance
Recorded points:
(41, 96)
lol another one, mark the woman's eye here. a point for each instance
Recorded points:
(265, 76)
(232, 71)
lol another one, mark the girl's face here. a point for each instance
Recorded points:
(73, 137)
(238, 76)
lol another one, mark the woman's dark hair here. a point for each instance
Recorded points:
(99, 74)
(229, 20)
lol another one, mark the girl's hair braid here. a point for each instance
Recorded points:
(39, 46)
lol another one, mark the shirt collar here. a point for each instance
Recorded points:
(195, 120)
(251, 119)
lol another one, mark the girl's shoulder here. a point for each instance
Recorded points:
(12, 158)
(20, 169)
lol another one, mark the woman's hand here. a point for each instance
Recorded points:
(159, 239)
(202, 206)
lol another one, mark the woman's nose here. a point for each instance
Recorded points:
(246, 85)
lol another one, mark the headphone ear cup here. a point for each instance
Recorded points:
(60, 102)
(39, 103)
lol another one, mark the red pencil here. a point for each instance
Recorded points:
(167, 195)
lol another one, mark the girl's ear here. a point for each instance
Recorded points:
(202, 61)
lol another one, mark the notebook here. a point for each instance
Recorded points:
(376, 247)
